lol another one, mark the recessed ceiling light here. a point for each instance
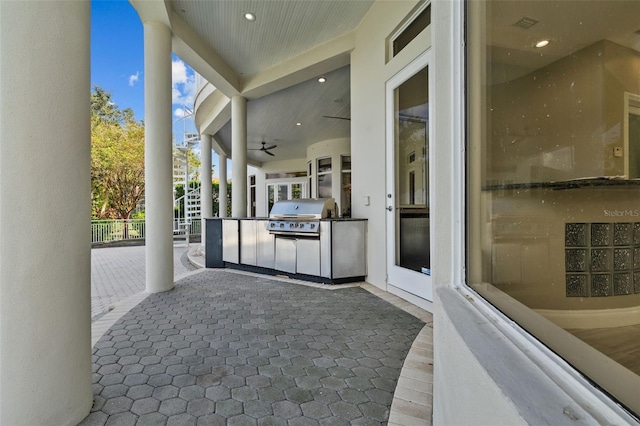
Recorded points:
(543, 43)
(250, 16)
(298, 124)
(322, 79)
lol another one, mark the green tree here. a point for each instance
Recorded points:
(117, 158)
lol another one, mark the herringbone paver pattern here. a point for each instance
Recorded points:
(223, 348)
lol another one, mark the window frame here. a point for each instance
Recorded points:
(573, 355)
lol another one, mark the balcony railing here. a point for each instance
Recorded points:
(107, 231)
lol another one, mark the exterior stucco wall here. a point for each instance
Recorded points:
(369, 72)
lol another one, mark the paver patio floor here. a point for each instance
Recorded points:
(226, 348)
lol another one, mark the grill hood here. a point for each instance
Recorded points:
(309, 208)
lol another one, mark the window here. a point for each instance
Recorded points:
(418, 23)
(310, 175)
(284, 191)
(345, 186)
(324, 178)
(553, 195)
(282, 175)
(252, 194)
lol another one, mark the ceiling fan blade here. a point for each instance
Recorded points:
(273, 155)
(337, 118)
(271, 147)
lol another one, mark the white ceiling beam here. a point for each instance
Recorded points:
(202, 58)
(153, 11)
(321, 59)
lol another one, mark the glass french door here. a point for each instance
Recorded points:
(284, 191)
(408, 204)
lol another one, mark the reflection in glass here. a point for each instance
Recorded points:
(345, 186)
(324, 178)
(324, 165)
(296, 191)
(411, 172)
(324, 186)
(283, 192)
(271, 195)
(554, 143)
(346, 163)
(422, 21)
(346, 194)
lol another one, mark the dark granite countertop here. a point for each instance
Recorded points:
(338, 219)
(568, 184)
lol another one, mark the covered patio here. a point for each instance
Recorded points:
(229, 347)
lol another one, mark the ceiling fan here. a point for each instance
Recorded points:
(265, 148)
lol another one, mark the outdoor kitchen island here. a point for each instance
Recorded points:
(325, 250)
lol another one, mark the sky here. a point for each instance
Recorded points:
(117, 62)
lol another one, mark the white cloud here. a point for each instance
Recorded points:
(134, 78)
(178, 72)
(180, 113)
(183, 83)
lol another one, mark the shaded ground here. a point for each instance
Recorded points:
(223, 348)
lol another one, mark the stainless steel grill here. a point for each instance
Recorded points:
(300, 217)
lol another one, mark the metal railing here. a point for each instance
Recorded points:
(106, 231)
(180, 226)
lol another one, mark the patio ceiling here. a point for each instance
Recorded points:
(282, 29)
(273, 61)
(273, 118)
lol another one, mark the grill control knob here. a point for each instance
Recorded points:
(313, 225)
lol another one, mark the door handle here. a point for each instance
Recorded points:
(390, 208)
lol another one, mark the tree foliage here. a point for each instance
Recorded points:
(117, 158)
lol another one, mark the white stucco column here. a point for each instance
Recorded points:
(238, 156)
(45, 213)
(222, 188)
(206, 188)
(158, 157)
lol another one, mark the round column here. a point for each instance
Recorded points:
(206, 188)
(222, 196)
(158, 157)
(239, 156)
(45, 213)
